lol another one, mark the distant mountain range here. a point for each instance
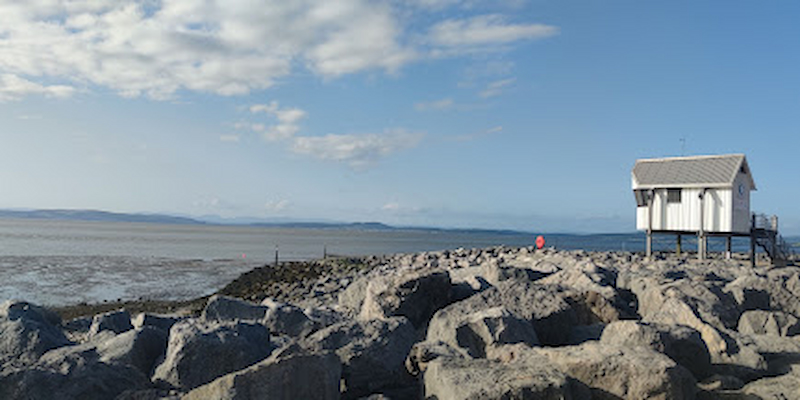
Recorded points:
(97, 215)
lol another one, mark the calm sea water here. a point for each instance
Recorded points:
(66, 262)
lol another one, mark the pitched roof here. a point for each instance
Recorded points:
(683, 172)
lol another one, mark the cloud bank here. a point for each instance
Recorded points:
(160, 48)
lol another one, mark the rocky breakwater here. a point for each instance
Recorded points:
(466, 324)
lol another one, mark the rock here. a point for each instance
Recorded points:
(783, 387)
(224, 308)
(66, 374)
(680, 343)
(286, 319)
(372, 353)
(26, 333)
(423, 353)
(200, 351)
(15, 310)
(530, 377)
(163, 322)
(624, 372)
(288, 374)
(721, 382)
(776, 323)
(676, 312)
(414, 295)
(750, 292)
(475, 332)
(544, 306)
(352, 297)
(140, 348)
(114, 321)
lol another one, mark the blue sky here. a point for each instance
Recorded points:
(456, 113)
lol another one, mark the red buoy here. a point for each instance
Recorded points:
(539, 242)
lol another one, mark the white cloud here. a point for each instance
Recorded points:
(442, 104)
(159, 48)
(229, 138)
(216, 46)
(391, 207)
(496, 88)
(357, 151)
(485, 30)
(288, 121)
(12, 87)
(277, 205)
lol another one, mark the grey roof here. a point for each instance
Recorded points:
(682, 172)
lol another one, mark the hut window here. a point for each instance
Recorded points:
(641, 198)
(673, 195)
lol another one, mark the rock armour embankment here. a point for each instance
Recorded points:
(465, 324)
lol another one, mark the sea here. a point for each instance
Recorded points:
(62, 262)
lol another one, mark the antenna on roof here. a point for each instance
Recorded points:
(683, 146)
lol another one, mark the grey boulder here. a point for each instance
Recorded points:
(414, 295)
(287, 374)
(200, 351)
(372, 353)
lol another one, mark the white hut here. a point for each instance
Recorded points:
(702, 195)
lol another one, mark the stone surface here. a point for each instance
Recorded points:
(114, 321)
(476, 331)
(544, 306)
(288, 374)
(163, 322)
(286, 319)
(139, 348)
(455, 379)
(68, 374)
(414, 295)
(775, 323)
(224, 308)
(200, 351)
(628, 373)
(372, 352)
(26, 333)
(680, 343)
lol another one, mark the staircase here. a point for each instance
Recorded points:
(765, 233)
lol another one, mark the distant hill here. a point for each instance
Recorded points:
(94, 215)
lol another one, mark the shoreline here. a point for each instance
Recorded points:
(287, 282)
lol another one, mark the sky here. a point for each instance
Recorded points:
(504, 114)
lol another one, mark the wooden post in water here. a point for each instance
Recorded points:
(728, 246)
(276, 255)
(678, 245)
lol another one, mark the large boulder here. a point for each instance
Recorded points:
(530, 377)
(200, 351)
(623, 372)
(786, 386)
(224, 308)
(776, 323)
(139, 348)
(27, 332)
(546, 307)
(163, 322)
(73, 372)
(286, 319)
(115, 321)
(372, 353)
(680, 343)
(476, 331)
(414, 295)
(287, 374)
